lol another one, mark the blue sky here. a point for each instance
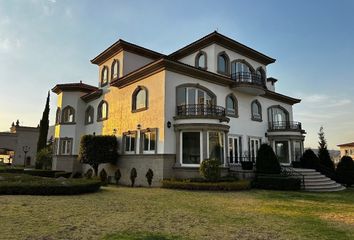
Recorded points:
(45, 42)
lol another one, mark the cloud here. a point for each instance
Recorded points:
(5, 20)
(7, 44)
(324, 101)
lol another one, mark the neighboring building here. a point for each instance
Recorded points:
(346, 149)
(13, 145)
(210, 99)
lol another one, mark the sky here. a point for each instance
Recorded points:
(46, 42)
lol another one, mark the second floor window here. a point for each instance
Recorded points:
(231, 105)
(102, 111)
(223, 63)
(68, 115)
(57, 116)
(201, 60)
(104, 76)
(256, 111)
(139, 99)
(89, 115)
(193, 95)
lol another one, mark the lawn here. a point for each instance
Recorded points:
(143, 213)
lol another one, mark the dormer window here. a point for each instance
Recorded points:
(104, 76)
(201, 60)
(115, 70)
(223, 63)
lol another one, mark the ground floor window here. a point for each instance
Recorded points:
(254, 144)
(191, 147)
(216, 146)
(235, 150)
(129, 141)
(282, 151)
(65, 146)
(298, 150)
(149, 142)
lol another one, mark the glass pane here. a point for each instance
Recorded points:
(191, 147)
(216, 146)
(230, 105)
(181, 96)
(282, 151)
(146, 141)
(233, 67)
(222, 63)
(236, 149)
(297, 146)
(141, 99)
(191, 96)
(231, 151)
(201, 97)
(127, 142)
(104, 110)
(201, 61)
(132, 142)
(152, 141)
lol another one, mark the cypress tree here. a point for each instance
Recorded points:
(323, 154)
(43, 127)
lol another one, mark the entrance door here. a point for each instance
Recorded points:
(234, 150)
(254, 146)
(282, 151)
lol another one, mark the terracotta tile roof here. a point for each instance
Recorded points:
(351, 144)
(74, 87)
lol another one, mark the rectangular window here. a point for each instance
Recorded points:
(65, 146)
(130, 142)
(254, 144)
(149, 142)
(235, 150)
(298, 151)
(216, 146)
(191, 148)
(282, 151)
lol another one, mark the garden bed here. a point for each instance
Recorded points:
(23, 184)
(204, 185)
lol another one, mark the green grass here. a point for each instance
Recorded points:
(155, 213)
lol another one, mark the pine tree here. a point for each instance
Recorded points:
(323, 154)
(43, 127)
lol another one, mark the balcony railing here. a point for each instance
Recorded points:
(248, 78)
(201, 110)
(285, 126)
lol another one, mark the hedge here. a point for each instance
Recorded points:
(277, 183)
(42, 173)
(23, 184)
(212, 186)
(11, 170)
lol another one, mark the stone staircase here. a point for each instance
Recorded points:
(316, 182)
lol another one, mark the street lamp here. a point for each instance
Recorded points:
(25, 150)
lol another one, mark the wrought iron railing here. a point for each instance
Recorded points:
(285, 125)
(247, 77)
(291, 172)
(238, 160)
(201, 110)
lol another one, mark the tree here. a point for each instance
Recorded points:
(323, 154)
(267, 161)
(44, 158)
(43, 127)
(309, 160)
(345, 171)
(95, 150)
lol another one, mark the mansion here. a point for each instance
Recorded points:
(209, 99)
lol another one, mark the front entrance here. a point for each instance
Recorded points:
(282, 151)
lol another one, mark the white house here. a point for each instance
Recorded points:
(209, 99)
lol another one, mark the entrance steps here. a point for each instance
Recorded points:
(316, 182)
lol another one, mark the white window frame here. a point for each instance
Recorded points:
(223, 137)
(181, 148)
(255, 139)
(143, 143)
(68, 143)
(125, 142)
(239, 150)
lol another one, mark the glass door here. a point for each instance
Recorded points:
(282, 151)
(234, 150)
(254, 146)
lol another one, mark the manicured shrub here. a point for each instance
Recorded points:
(149, 176)
(296, 164)
(345, 171)
(103, 177)
(210, 170)
(23, 184)
(277, 183)
(42, 173)
(11, 170)
(247, 165)
(209, 186)
(133, 175)
(117, 176)
(63, 174)
(76, 175)
(95, 150)
(89, 174)
(310, 160)
(267, 161)
(44, 158)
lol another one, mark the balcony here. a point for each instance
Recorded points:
(285, 126)
(201, 111)
(247, 82)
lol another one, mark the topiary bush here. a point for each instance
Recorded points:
(117, 175)
(210, 170)
(267, 161)
(103, 177)
(133, 175)
(89, 174)
(345, 171)
(310, 160)
(149, 176)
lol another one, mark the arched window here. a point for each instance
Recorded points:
(261, 74)
(68, 115)
(57, 116)
(139, 99)
(278, 115)
(102, 111)
(201, 60)
(241, 71)
(231, 106)
(104, 76)
(89, 113)
(115, 70)
(256, 110)
(223, 63)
